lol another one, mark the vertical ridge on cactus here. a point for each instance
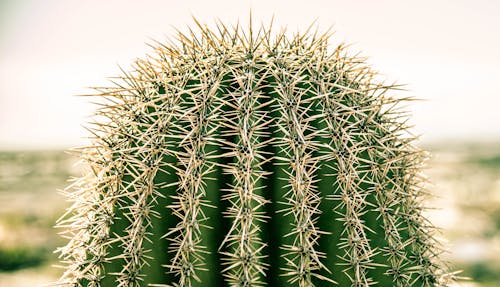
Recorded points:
(238, 158)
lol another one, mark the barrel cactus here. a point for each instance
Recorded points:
(249, 157)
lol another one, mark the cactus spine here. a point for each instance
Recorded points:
(235, 158)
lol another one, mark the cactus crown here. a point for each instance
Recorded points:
(240, 157)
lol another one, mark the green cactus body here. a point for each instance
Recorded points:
(239, 159)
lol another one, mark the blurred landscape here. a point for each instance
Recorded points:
(465, 178)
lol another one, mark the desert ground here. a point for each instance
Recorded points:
(465, 179)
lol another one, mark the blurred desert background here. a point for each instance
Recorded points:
(466, 182)
(446, 51)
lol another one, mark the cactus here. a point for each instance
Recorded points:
(243, 157)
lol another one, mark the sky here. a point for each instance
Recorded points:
(446, 52)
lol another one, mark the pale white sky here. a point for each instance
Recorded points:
(446, 51)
